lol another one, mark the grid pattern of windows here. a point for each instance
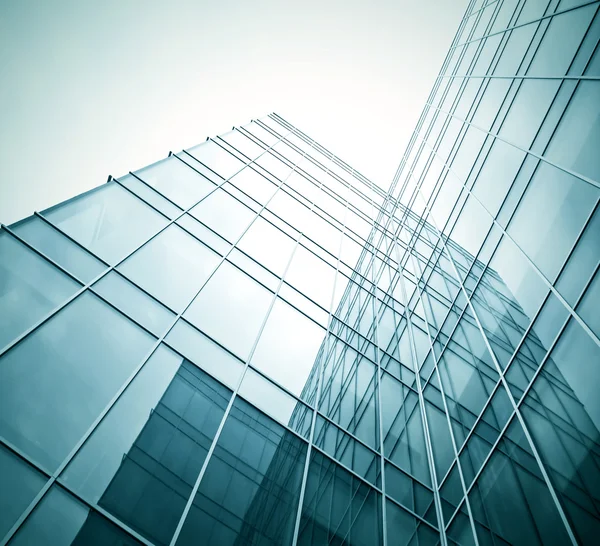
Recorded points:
(249, 342)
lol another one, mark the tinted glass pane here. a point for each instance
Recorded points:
(177, 181)
(249, 493)
(151, 196)
(143, 460)
(550, 216)
(268, 245)
(20, 484)
(288, 347)
(30, 287)
(172, 267)
(135, 303)
(61, 520)
(338, 507)
(59, 248)
(109, 221)
(56, 382)
(223, 214)
(231, 309)
(254, 184)
(206, 354)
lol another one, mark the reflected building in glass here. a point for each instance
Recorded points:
(249, 342)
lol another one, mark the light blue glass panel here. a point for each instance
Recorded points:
(216, 158)
(30, 287)
(172, 267)
(224, 214)
(311, 276)
(205, 354)
(135, 303)
(56, 382)
(550, 215)
(254, 184)
(528, 110)
(276, 403)
(151, 196)
(268, 245)
(109, 221)
(176, 181)
(230, 309)
(576, 142)
(288, 347)
(59, 248)
(560, 42)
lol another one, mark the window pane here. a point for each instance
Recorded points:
(577, 139)
(79, 359)
(550, 216)
(109, 221)
(276, 403)
(176, 181)
(172, 267)
(151, 196)
(288, 347)
(242, 143)
(141, 463)
(338, 507)
(205, 354)
(223, 214)
(268, 245)
(254, 184)
(59, 248)
(30, 287)
(135, 303)
(216, 158)
(311, 276)
(20, 484)
(230, 309)
(249, 493)
(61, 520)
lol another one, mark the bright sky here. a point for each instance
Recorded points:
(89, 89)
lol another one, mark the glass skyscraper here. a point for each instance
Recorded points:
(249, 342)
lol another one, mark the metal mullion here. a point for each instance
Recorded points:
(450, 428)
(425, 424)
(319, 381)
(536, 455)
(42, 255)
(548, 16)
(239, 383)
(153, 207)
(66, 236)
(118, 394)
(153, 189)
(494, 77)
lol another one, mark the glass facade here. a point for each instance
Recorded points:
(249, 342)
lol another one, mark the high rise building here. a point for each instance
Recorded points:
(249, 342)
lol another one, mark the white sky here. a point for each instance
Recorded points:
(89, 89)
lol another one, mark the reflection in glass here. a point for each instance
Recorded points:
(249, 493)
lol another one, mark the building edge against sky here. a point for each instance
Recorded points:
(250, 343)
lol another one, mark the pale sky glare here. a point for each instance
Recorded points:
(89, 89)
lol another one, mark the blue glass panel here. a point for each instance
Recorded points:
(30, 287)
(109, 221)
